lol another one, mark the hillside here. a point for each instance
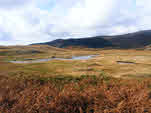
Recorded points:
(132, 40)
(95, 42)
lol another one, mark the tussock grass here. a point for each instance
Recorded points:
(107, 62)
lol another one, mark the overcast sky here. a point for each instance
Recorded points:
(32, 21)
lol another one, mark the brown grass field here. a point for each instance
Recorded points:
(97, 85)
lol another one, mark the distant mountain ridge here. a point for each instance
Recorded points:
(95, 42)
(131, 40)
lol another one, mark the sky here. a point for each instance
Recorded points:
(24, 22)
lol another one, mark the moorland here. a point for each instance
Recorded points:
(115, 81)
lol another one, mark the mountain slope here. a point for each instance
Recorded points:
(95, 42)
(132, 40)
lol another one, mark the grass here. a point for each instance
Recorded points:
(107, 62)
(98, 85)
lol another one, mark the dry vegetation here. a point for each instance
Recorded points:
(74, 95)
(106, 62)
(98, 85)
(38, 51)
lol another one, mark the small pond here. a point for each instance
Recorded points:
(49, 59)
(125, 62)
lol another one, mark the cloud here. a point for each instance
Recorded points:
(9, 4)
(98, 17)
(32, 21)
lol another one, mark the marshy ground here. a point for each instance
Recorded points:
(97, 85)
(116, 63)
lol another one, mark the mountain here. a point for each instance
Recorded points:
(95, 42)
(132, 40)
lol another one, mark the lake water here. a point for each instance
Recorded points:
(125, 62)
(49, 59)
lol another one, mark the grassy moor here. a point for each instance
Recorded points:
(114, 81)
(75, 56)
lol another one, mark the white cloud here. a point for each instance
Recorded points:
(32, 21)
(9, 4)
